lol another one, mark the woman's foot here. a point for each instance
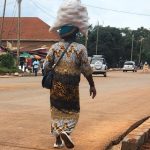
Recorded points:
(59, 143)
(58, 146)
(67, 140)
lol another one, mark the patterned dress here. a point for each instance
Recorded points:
(64, 95)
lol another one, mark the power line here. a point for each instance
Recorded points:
(43, 10)
(38, 2)
(120, 11)
(7, 4)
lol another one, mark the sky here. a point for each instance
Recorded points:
(114, 13)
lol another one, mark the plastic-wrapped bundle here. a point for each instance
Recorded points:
(72, 12)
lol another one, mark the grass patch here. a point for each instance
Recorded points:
(4, 70)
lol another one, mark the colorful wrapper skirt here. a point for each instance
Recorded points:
(64, 99)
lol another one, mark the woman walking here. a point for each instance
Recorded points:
(64, 95)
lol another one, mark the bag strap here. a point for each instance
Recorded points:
(54, 66)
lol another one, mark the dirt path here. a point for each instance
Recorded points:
(122, 99)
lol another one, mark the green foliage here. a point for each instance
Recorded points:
(7, 61)
(115, 44)
(4, 70)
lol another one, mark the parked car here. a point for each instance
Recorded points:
(129, 66)
(98, 64)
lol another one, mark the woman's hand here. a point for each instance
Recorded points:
(93, 91)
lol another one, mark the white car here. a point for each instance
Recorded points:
(129, 66)
(99, 66)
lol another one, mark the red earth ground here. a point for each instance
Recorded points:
(122, 99)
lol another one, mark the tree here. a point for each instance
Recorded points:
(115, 44)
(7, 60)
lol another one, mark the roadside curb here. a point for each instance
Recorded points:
(5, 76)
(19, 75)
(142, 129)
(135, 139)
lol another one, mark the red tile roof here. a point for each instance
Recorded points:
(31, 28)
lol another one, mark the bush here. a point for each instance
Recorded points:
(7, 61)
(4, 70)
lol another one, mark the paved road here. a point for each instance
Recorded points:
(122, 99)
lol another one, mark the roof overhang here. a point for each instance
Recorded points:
(33, 40)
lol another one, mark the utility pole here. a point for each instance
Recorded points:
(86, 39)
(141, 40)
(97, 38)
(2, 23)
(132, 46)
(18, 31)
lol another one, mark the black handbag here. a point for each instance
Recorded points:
(47, 80)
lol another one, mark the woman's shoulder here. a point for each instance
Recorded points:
(56, 44)
(79, 44)
(80, 47)
(61, 45)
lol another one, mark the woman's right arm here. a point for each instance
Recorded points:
(87, 71)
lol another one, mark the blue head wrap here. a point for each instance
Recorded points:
(68, 30)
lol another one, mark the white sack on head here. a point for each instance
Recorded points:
(72, 12)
